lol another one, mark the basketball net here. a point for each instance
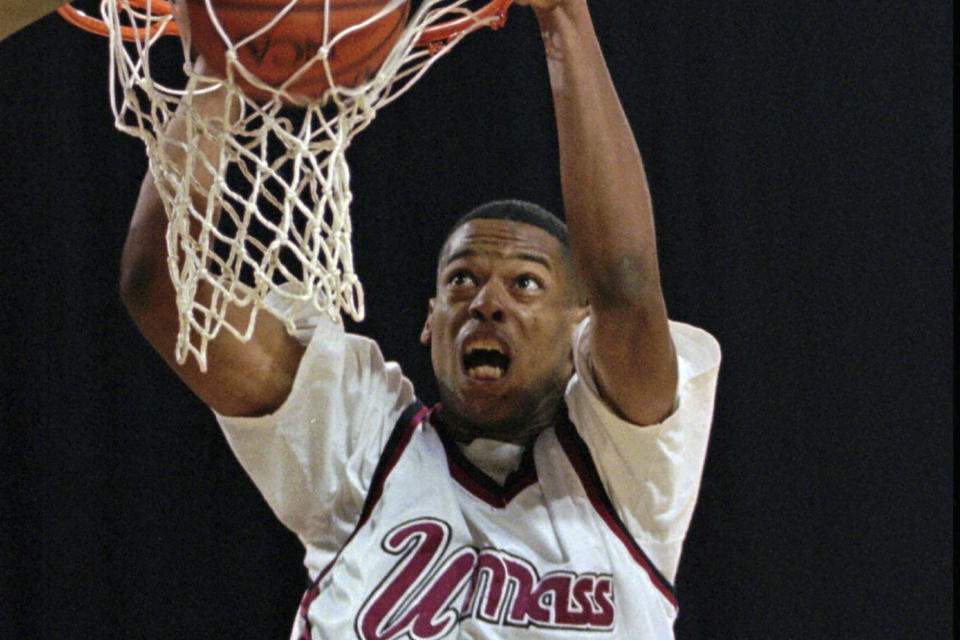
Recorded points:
(286, 230)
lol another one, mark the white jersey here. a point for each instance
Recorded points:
(407, 539)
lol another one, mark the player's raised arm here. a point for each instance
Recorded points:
(243, 378)
(610, 218)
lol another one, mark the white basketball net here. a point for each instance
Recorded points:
(286, 229)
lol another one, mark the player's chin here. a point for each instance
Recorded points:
(484, 403)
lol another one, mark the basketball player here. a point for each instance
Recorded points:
(549, 493)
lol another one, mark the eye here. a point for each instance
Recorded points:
(527, 282)
(461, 278)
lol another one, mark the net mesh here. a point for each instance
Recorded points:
(257, 194)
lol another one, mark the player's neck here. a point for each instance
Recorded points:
(522, 431)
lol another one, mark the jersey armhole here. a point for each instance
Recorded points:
(411, 417)
(579, 456)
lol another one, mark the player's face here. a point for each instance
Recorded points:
(501, 327)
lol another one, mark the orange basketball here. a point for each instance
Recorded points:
(274, 56)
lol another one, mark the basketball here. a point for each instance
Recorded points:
(289, 47)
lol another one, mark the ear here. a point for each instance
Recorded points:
(427, 331)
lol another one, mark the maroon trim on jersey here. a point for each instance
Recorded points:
(474, 480)
(579, 456)
(409, 420)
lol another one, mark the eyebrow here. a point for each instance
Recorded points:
(519, 255)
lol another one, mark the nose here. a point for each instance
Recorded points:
(489, 303)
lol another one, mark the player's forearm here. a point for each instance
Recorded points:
(145, 275)
(243, 378)
(610, 219)
(605, 192)
(251, 378)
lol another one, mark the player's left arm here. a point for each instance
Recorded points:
(610, 220)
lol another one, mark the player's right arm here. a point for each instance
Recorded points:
(307, 423)
(242, 378)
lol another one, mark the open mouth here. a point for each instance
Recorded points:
(484, 359)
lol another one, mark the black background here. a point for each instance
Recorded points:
(800, 158)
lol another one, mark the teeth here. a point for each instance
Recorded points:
(486, 344)
(486, 372)
(484, 359)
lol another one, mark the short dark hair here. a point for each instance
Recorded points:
(517, 211)
(526, 213)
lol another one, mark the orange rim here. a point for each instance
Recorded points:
(432, 37)
(97, 26)
(439, 34)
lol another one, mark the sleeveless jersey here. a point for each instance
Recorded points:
(460, 556)
(407, 540)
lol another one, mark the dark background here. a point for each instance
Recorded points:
(800, 157)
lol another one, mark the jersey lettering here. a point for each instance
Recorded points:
(429, 591)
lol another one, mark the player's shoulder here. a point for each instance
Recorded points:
(697, 348)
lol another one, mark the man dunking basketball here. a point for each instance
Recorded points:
(549, 493)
